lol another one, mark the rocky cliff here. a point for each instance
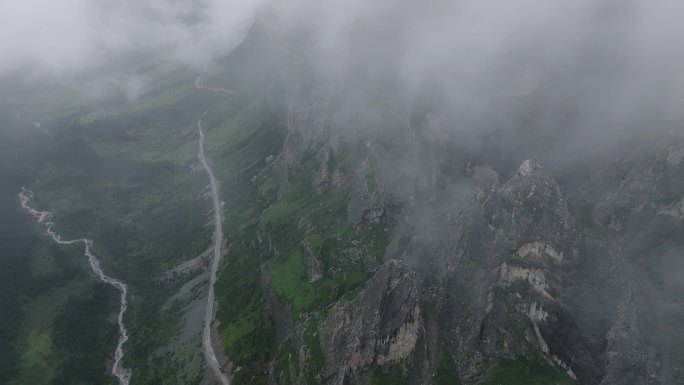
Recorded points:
(394, 251)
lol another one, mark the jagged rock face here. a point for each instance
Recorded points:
(530, 207)
(326, 178)
(381, 325)
(514, 269)
(622, 295)
(642, 222)
(366, 204)
(650, 180)
(518, 245)
(513, 272)
(512, 263)
(526, 277)
(314, 264)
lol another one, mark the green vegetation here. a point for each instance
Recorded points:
(315, 353)
(394, 375)
(247, 333)
(35, 338)
(17, 243)
(286, 363)
(89, 339)
(55, 315)
(290, 281)
(328, 234)
(523, 371)
(447, 373)
(585, 213)
(145, 218)
(122, 174)
(55, 323)
(39, 361)
(240, 136)
(266, 233)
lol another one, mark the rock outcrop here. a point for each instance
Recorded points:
(380, 326)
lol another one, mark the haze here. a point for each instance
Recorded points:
(581, 67)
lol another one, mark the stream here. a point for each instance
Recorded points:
(43, 218)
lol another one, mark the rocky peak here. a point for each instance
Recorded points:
(379, 326)
(529, 206)
(675, 155)
(533, 180)
(529, 167)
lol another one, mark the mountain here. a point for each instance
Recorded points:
(370, 237)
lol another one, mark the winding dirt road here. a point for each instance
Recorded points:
(123, 374)
(208, 348)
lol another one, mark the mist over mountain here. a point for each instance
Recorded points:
(342, 192)
(52, 40)
(588, 70)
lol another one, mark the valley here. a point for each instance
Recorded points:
(42, 217)
(357, 227)
(207, 339)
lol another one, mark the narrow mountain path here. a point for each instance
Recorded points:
(208, 348)
(121, 373)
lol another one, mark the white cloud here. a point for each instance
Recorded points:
(56, 38)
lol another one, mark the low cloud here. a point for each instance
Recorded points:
(53, 39)
(582, 70)
(585, 73)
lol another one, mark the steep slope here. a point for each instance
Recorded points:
(378, 247)
(368, 240)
